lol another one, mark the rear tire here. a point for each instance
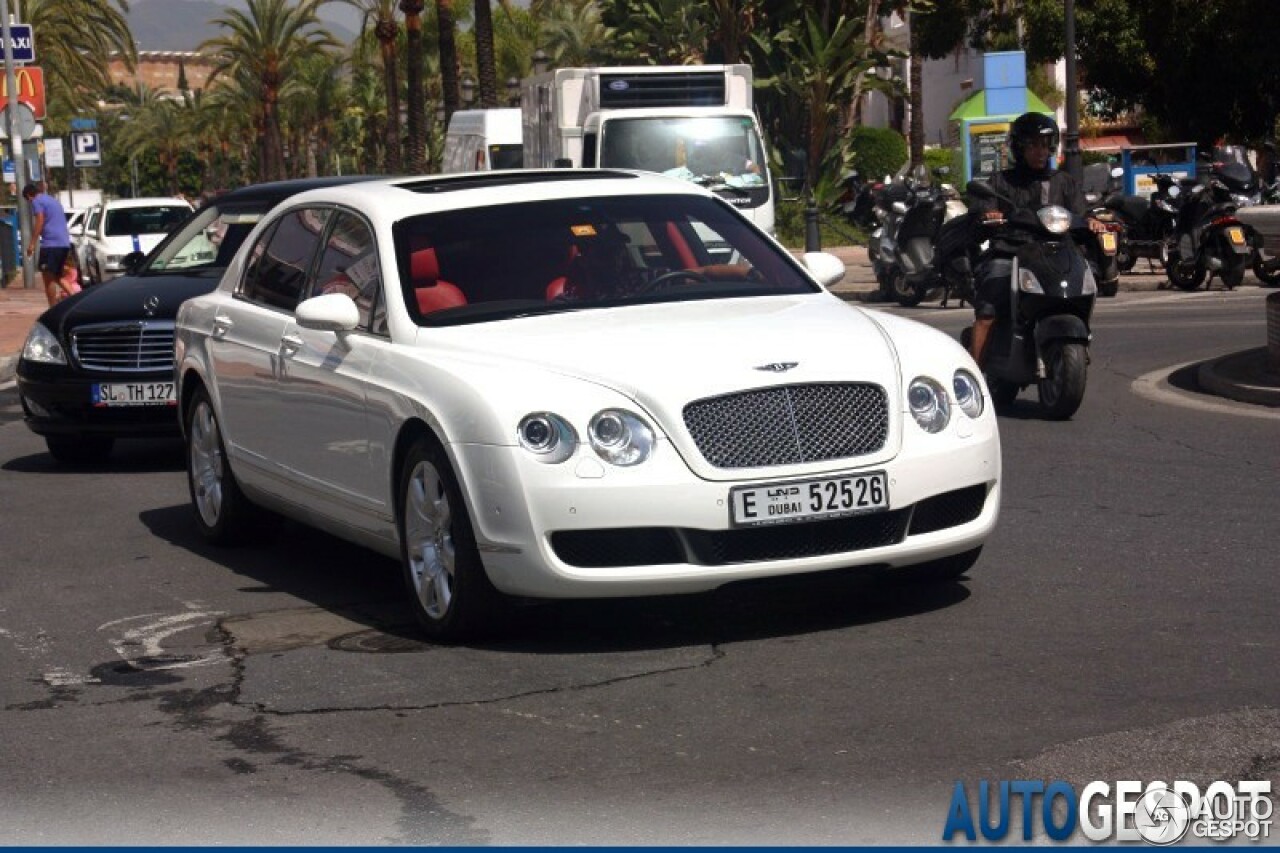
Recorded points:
(449, 591)
(223, 514)
(903, 293)
(1185, 275)
(1233, 277)
(1062, 390)
(79, 449)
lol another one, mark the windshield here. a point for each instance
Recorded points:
(492, 263)
(506, 156)
(704, 149)
(128, 221)
(208, 241)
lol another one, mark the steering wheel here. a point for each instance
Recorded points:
(666, 279)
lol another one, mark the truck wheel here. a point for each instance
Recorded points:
(1062, 389)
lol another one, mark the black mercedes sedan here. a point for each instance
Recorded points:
(99, 365)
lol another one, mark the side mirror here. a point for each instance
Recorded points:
(824, 266)
(331, 312)
(132, 262)
(76, 230)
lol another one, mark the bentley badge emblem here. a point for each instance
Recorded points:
(150, 304)
(779, 366)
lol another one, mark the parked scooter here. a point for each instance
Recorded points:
(1211, 240)
(1150, 223)
(1044, 337)
(906, 251)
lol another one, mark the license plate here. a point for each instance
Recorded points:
(1236, 236)
(133, 394)
(1108, 242)
(808, 500)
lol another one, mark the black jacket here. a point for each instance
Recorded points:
(1029, 191)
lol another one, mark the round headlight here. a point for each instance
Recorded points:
(1055, 219)
(42, 346)
(621, 437)
(548, 436)
(968, 393)
(928, 404)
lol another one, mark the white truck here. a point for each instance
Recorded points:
(690, 121)
(478, 140)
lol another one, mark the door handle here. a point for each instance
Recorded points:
(289, 345)
(221, 325)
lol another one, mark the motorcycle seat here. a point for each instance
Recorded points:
(1132, 207)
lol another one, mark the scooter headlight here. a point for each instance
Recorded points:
(1056, 220)
(1027, 281)
(968, 393)
(928, 404)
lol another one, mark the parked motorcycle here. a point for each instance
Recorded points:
(916, 213)
(1210, 239)
(1044, 337)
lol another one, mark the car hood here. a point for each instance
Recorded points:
(130, 297)
(665, 355)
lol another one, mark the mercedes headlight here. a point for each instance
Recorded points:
(928, 404)
(548, 436)
(620, 437)
(42, 346)
(968, 393)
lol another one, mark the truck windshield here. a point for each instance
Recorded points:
(704, 149)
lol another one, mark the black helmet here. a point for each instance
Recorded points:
(1027, 127)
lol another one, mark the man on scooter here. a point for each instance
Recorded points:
(1031, 184)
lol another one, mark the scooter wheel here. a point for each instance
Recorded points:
(1267, 277)
(903, 293)
(1062, 390)
(1002, 393)
(1185, 276)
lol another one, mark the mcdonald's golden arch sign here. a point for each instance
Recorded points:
(30, 81)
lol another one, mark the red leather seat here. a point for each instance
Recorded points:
(556, 288)
(433, 293)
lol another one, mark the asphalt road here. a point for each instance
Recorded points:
(1120, 625)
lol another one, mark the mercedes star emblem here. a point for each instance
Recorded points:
(150, 304)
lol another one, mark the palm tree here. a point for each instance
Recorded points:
(416, 92)
(77, 40)
(264, 45)
(572, 33)
(485, 63)
(446, 26)
(158, 125)
(382, 14)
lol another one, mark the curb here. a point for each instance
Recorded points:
(1240, 376)
(8, 368)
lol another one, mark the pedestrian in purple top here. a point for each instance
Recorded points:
(49, 231)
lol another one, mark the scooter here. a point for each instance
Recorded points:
(907, 246)
(1211, 240)
(1044, 337)
(1150, 223)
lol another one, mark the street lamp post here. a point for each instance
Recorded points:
(513, 91)
(1071, 139)
(541, 62)
(19, 163)
(468, 90)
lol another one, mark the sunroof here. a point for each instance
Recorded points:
(506, 179)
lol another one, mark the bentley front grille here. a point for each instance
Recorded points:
(133, 347)
(790, 425)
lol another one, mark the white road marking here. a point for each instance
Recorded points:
(142, 646)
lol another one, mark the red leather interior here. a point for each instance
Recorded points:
(433, 293)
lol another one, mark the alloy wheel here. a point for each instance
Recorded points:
(428, 531)
(207, 465)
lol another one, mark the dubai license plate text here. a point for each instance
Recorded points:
(808, 500)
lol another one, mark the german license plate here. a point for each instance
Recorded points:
(808, 500)
(1108, 242)
(1236, 235)
(133, 394)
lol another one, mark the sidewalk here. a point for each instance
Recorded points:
(1240, 376)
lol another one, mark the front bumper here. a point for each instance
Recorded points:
(56, 401)
(585, 529)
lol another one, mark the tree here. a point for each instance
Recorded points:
(381, 14)
(77, 39)
(416, 150)
(264, 46)
(446, 33)
(485, 63)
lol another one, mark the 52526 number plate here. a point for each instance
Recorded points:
(808, 500)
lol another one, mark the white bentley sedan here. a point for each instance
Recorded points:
(573, 383)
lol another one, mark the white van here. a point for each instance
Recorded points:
(479, 140)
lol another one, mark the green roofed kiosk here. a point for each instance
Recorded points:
(985, 116)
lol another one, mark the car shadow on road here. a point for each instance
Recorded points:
(360, 586)
(129, 456)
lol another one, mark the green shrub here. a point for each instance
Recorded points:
(876, 151)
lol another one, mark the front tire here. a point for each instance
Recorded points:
(904, 294)
(451, 596)
(1267, 277)
(1062, 390)
(223, 514)
(79, 449)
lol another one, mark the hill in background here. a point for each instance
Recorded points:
(184, 24)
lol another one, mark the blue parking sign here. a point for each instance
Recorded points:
(86, 149)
